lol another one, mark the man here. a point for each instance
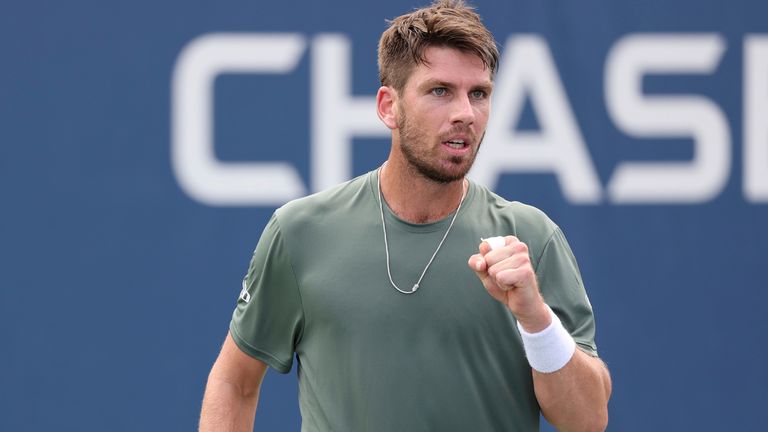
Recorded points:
(366, 283)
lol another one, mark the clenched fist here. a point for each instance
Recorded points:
(509, 277)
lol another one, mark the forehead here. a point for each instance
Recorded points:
(452, 66)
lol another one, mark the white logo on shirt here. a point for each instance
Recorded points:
(244, 295)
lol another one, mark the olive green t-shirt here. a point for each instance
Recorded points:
(446, 358)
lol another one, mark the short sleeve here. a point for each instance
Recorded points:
(267, 322)
(563, 290)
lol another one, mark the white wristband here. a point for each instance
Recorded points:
(550, 349)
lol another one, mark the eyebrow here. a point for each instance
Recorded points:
(486, 86)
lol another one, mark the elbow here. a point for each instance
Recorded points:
(599, 423)
(583, 420)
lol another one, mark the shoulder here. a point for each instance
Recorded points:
(312, 223)
(521, 216)
(323, 206)
(526, 222)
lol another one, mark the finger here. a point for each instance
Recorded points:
(514, 244)
(514, 277)
(495, 242)
(515, 261)
(485, 247)
(496, 292)
(512, 248)
(513, 254)
(477, 263)
(479, 266)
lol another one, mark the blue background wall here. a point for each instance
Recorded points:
(116, 286)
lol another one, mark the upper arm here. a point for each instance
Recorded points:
(563, 290)
(268, 321)
(237, 368)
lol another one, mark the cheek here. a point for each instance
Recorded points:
(482, 113)
(427, 117)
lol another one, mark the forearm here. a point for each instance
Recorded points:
(575, 398)
(226, 407)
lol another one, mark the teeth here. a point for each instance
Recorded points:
(455, 143)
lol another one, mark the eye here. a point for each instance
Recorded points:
(439, 91)
(478, 94)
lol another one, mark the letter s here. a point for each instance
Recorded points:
(682, 116)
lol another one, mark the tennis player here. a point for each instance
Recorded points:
(412, 298)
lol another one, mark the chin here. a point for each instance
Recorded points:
(445, 175)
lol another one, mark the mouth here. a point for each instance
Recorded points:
(456, 144)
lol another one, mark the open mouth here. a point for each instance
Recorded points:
(455, 144)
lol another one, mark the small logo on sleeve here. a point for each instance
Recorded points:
(244, 295)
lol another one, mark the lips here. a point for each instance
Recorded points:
(455, 144)
(457, 141)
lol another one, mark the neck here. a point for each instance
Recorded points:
(415, 198)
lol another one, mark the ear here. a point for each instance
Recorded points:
(386, 106)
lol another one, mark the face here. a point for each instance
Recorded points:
(442, 114)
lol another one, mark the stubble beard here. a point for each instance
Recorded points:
(415, 147)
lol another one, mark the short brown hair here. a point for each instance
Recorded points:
(447, 23)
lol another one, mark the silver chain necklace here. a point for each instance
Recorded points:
(386, 246)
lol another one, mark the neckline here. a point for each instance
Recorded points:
(403, 225)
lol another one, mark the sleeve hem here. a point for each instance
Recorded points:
(269, 359)
(590, 351)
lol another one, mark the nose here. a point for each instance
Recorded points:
(463, 111)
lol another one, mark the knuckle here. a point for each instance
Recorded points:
(527, 271)
(520, 247)
(493, 271)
